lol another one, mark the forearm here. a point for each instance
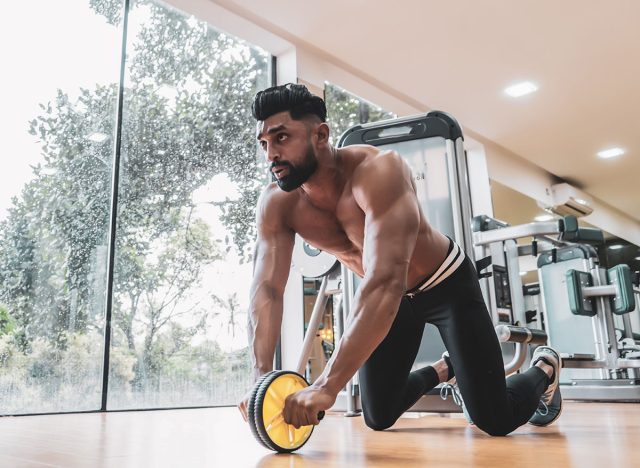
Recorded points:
(374, 309)
(265, 321)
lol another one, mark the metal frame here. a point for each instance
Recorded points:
(464, 195)
(501, 242)
(609, 387)
(483, 238)
(113, 221)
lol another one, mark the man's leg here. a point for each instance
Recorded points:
(387, 385)
(457, 308)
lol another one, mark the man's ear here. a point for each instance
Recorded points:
(322, 131)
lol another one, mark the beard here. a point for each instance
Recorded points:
(299, 174)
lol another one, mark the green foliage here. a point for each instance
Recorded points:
(72, 372)
(344, 110)
(53, 243)
(7, 322)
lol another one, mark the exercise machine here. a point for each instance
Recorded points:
(601, 356)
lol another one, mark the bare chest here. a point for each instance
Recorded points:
(339, 231)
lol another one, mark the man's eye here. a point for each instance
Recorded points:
(263, 145)
(282, 137)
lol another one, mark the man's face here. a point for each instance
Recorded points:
(288, 146)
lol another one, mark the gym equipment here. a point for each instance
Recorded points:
(499, 254)
(600, 358)
(582, 292)
(309, 261)
(521, 336)
(265, 412)
(267, 399)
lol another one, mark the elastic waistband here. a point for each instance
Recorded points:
(454, 259)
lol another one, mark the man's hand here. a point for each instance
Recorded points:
(243, 406)
(302, 408)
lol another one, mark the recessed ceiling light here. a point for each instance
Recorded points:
(98, 137)
(611, 153)
(616, 247)
(543, 218)
(521, 89)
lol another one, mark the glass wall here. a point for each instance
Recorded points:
(190, 175)
(58, 92)
(344, 110)
(189, 183)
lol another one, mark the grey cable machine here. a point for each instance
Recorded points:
(599, 364)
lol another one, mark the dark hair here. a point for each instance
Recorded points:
(294, 98)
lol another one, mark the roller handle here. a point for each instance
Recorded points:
(513, 334)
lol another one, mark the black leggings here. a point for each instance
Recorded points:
(457, 308)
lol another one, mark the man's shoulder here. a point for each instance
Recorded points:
(273, 200)
(378, 160)
(383, 175)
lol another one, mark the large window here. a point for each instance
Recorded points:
(190, 179)
(190, 175)
(58, 93)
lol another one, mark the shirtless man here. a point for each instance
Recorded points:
(359, 203)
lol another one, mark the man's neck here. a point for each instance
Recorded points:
(324, 187)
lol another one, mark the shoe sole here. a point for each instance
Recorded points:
(559, 360)
(550, 422)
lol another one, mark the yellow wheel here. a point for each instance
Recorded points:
(267, 407)
(251, 410)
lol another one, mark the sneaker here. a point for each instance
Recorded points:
(450, 388)
(550, 405)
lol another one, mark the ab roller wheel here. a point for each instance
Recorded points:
(265, 412)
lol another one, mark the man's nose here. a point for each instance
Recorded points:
(272, 154)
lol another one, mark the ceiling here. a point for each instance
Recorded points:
(459, 56)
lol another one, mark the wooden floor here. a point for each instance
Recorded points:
(587, 434)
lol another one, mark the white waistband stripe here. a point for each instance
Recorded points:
(448, 267)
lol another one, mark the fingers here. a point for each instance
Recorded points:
(243, 410)
(299, 414)
(286, 411)
(305, 419)
(289, 412)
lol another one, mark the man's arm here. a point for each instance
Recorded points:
(383, 189)
(272, 261)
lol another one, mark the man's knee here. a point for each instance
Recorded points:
(378, 421)
(493, 426)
